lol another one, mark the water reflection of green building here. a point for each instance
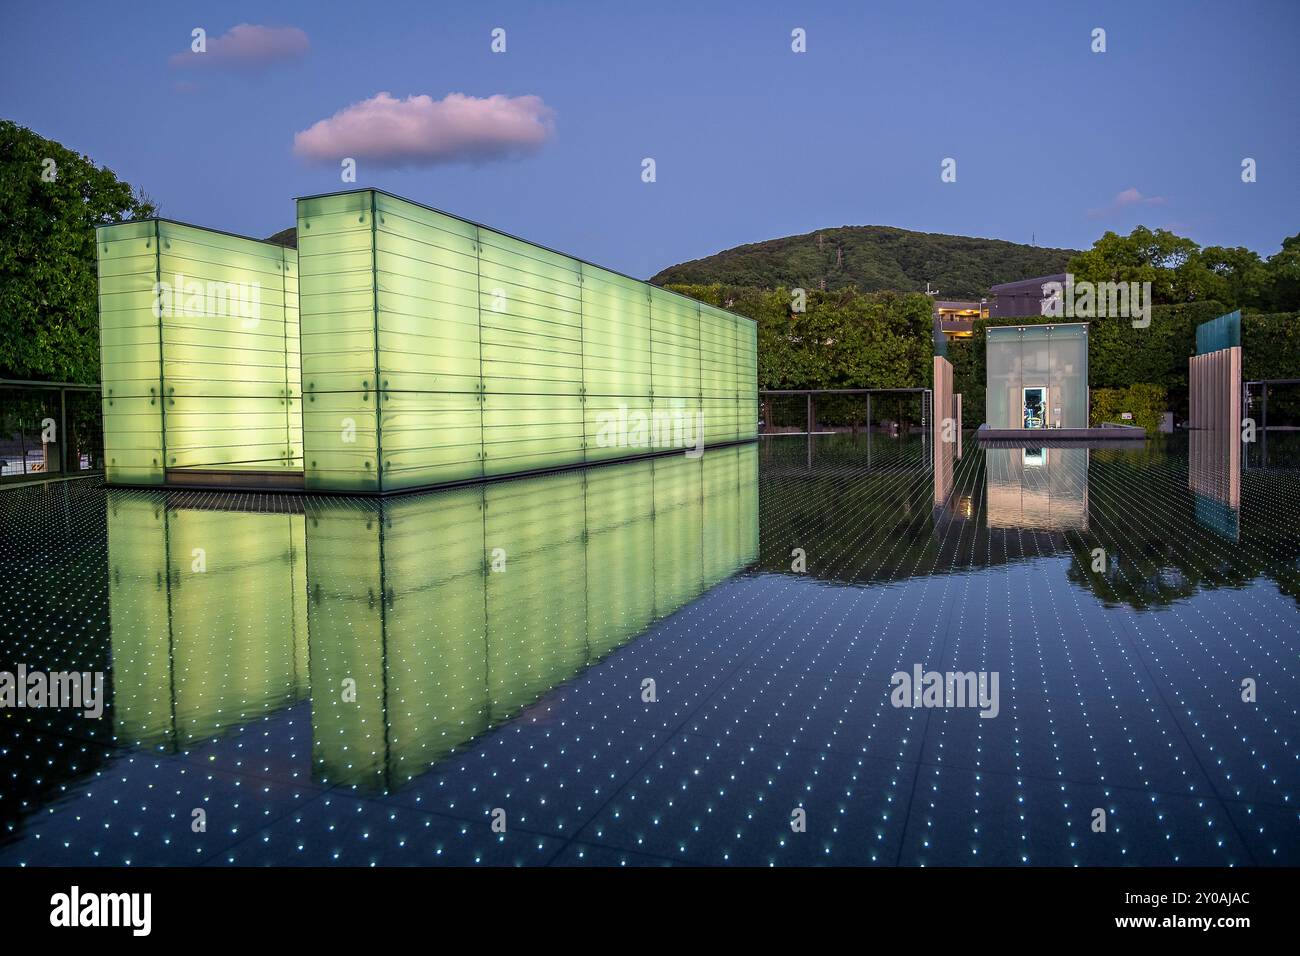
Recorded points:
(209, 617)
(429, 618)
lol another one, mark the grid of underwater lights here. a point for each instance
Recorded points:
(398, 347)
(595, 557)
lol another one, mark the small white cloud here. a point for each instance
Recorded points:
(248, 46)
(421, 131)
(1123, 199)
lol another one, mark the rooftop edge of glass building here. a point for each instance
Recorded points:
(415, 349)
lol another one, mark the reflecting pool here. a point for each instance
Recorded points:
(682, 659)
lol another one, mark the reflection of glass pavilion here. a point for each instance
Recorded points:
(1037, 488)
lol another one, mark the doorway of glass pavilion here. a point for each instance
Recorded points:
(1034, 406)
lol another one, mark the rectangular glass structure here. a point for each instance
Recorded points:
(398, 347)
(1038, 361)
(436, 350)
(199, 352)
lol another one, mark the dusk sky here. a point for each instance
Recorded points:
(751, 140)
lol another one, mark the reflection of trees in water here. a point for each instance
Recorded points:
(1161, 562)
(861, 526)
(58, 621)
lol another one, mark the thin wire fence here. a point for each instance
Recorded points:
(845, 431)
(896, 412)
(1274, 407)
(49, 429)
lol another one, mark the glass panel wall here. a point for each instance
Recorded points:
(199, 352)
(616, 357)
(1037, 376)
(399, 347)
(1221, 333)
(427, 296)
(1068, 379)
(337, 321)
(436, 350)
(228, 355)
(130, 352)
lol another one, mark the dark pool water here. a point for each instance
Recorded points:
(671, 661)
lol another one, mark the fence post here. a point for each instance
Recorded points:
(957, 397)
(63, 432)
(810, 413)
(1263, 430)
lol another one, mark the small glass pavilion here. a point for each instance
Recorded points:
(1037, 376)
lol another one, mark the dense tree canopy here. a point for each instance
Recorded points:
(841, 339)
(1180, 271)
(51, 199)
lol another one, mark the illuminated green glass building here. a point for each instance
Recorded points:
(398, 347)
(198, 335)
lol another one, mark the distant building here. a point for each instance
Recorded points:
(1022, 297)
(956, 320)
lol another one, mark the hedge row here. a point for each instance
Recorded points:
(1146, 403)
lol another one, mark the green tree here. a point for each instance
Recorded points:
(842, 339)
(1239, 275)
(1282, 277)
(51, 199)
(1172, 264)
(1181, 271)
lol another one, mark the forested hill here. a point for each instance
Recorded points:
(873, 258)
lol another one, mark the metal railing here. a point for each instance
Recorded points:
(1274, 406)
(49, 430)
(897, 411)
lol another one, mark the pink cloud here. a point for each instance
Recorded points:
(248, 46)
(422, 131)
(1123, 199)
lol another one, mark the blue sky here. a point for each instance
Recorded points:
(750, 140)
